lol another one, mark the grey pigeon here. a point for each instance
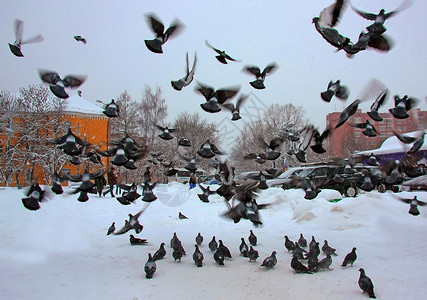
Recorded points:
(204, 197)
(222, 57)
(111, 109)
(235, 109)
(209, 150)
(181, 216)
(160, 253)
(302, 241)
(325, 263)
(219, 257)
(270, 261)
(289, 244)
(112, 228)
(224, 249)
(162, 36)
(413, 208)
(350, 258)
(188, 78)
(298, 251)
(199, 239)
(252, 254)
(57, 84)
(35, 194)
(328, 249)
(298, 266)
(258, 83)
(213, 245)
(19, 30)
(177, 254)
(198, 257)
(369, 128)
(150, 267)
(312, 262)
(79, 38)
(174, 240)
(166, 132)
(243, 248)
(402, 105)
(335, 89)
(365, 283)
(214, 98)
(252, 238)
(134, 241)
(373, 113)
(348, 112)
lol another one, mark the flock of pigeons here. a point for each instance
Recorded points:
(125, 152)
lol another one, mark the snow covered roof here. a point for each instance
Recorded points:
(81, 105)
(393, 145)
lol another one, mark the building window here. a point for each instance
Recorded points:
(382, 128)
(357, 134)
(357, 119)
(399, 121)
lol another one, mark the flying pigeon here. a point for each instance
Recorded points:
(69, 142)
(381, 17)
(369, 128)
(181, 216)
(259, 158)
(111, 109)
(350, 258)
(348, 112)
(209, 150)
(402, 105)
(150, 267)
(79, 38)
(162, 36)
(166, 132)
(133, 223)
(414, 202)
(213, 245)
(16, 46)
(333, 37)
(160, 253)
(134, 241)
(235, 109)
(335, 89)
(204, 197)
(330, 16)
(148, 193)
(319, 138)
(252, 238)
(260, 76)
(243, 248)
(289, 244)
(215, 97)
(188, 78)
(184, 142)
(57, 84)
(112, 228)
(365, 283)
(270, 261)
(35, 194)
(198, 257)
(57, 183)
(199, 239)
(252, 254)
(191, 166)
(222, 57)
(298, 266)
(373, 113)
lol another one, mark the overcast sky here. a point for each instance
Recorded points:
(115, 58)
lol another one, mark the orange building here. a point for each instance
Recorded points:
(87, 122)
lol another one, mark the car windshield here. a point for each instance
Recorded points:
(290, 173)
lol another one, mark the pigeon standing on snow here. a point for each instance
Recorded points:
(260, 76)
(213, 245)
(219, 257)
(302, 241)
(198, 257)
(328, 249)
(365, 283)
(222, 57)
(289, 244)
(162, 36)
(350, 258)
(112, 228)
(181, 216)
(252, 238)
(252, 254)
(160, 253)
(270, 261)
(16, 46)
(150, 267)
(199, 239)
(325, 263)
(134, 241)
(224, 249)
(298, 266)
(243, 248)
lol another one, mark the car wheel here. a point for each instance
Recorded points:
(381, 188)
(351, 192)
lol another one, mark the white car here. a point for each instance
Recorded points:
(286, 177)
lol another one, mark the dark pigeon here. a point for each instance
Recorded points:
(177, 254)
(204, 197)
(219, 257)
(378, 103)
(199, 239)
(298, 266)
(166, 132)
(325, 263)
(57, 84)
(222, 57)
(270, 261)
(198, 257)
(252, 238)
(222, 248)
(258, 83)
(160, 253)
(162, 36)
(213, 245)
(79, 38)
(235, 109)
(289, 244)
(369, 128)
(348, 112)
(112, 228)
(188, 78)
(35, 195)
(134, 241)
(335, 89)
(111, 109)
(252, 254)
(16, 46)
(350, 258)
(365, 283)
(302, 241)
(328, 249)
(402, 105)
(243, 248)
(414, 203)
(181, 216)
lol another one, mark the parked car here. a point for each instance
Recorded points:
(285, 179)
(244, 177)
(415, 184)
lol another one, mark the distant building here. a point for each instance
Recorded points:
(347, 139)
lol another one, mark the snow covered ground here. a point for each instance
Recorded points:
(62, 251)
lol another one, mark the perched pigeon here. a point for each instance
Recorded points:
(222, 57)
(79, 38)
(198, 256)
(199, 239)
(260, 76)
(213, 245)
(252, 238)
(289, 244)
(136, 241)
(150, 267)
(112, 228)
(350, 258)
(252, 254)
(243, 248)
(270, 261)
(162, 36)
(16, 46)
(188, 78)
(365, 283)
(402, 105)
(57, 84)
(160, 253)
(298, 266)
(181, 216)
